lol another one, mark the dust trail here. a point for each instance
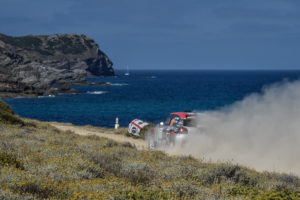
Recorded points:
(262, 131)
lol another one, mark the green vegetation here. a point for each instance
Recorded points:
(31, 43)
(9, 160)
(68, 45)
(37, 161)
(89, 43)
(25, 42)
(7, 116)
(64, 43)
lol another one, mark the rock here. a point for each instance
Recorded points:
(31, 65)
(63, 89)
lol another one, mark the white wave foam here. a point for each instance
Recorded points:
(117, 84)
(96, 92)
(47, 96)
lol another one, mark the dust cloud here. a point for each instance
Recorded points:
(262, 131)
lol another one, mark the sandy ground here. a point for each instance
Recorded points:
(83, 130)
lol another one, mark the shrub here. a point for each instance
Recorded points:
(93, 172)
(282, 194)
(110, 143)
(227, 173)
(288, 181)
(7, 115)
(137, 172)
(244, 191)
(9, 160)
(143, 194)
(110, 162)
(69, 46)
(93, 137)
(128, 145)
(9, 195)
(25, 42)
(10, 119)
(4, 107)
(33, 188)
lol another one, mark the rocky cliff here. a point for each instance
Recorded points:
(31, 65)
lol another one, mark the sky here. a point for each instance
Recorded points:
(170, 34)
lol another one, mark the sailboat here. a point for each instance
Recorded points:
(127, 72)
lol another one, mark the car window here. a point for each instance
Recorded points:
(168, 120)
(176, 121)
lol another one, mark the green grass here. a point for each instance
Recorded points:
(38, 161)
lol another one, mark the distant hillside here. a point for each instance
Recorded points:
(32, 64)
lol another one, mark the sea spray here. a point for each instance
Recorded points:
(262, 131)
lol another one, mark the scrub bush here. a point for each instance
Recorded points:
(227, 173)
(286, 182)
(137, 172)
(9, 160)
(7, 115)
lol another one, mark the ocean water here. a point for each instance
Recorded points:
(148, 95)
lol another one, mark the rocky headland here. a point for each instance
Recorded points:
(49, 64)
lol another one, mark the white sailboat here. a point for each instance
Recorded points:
(127, 72)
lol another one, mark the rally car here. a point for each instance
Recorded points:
(172, 130)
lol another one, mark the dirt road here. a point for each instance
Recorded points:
(139, 143)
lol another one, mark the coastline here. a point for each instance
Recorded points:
(65, 89)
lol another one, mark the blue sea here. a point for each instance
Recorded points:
(148, 95)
